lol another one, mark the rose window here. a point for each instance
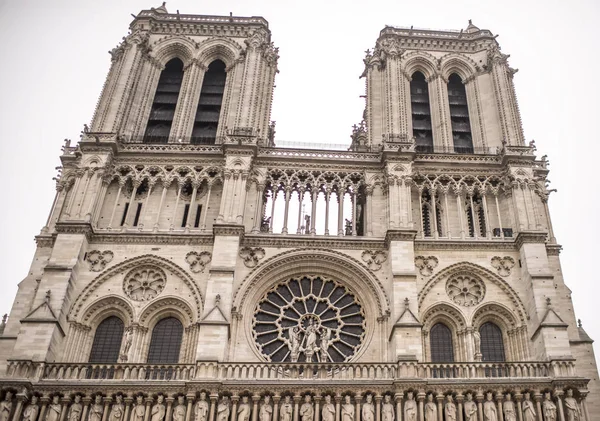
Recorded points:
(145, 283)
(310, 319)
(465, 290)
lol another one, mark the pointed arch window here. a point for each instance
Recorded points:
(492, 344)
(107, 341)
(441, 344)
(476, 216)
(162, 112)
(209, 104)
(427, 217)
(165, 342)
(459, 115)
(421, 112)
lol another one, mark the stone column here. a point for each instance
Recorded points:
(378, 407)
(300, 199)
(190, 402)
(479, 399)
(338, 399)
(584, 407)
(107, 401)
(146, 205)
(519, 399)
(45, 400)
(169, 415)
(440, 406)
(244, 186)
(258, 214)
(297, 399)
(499, 397)
(128, 400)
(357, 415)
(160, 205)
(327, 196)
(192, 210)
(174, 214)
(313, 214)
(206, 206)
(213, 404)
(369, 218)
(538, 405)
(86, 400)
(148, 408)
(276, 399)
(561, 412)
(317, 407)
(288, 194)
(421, 400)
(398, 399)
(21, 399)
(234, 400)
(459, 404)
(255, 400)
(340, 199)
(114, 209)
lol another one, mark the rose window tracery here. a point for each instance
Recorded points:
(144, 283)
(309, 319)
(465, 290)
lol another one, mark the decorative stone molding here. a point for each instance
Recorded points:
(198, 261)
(374, 259)
(465, 290)
(251, 256)
(99, 259)
(503, 264)
(144, 283)
(426, 264)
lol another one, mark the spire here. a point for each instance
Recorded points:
(471, 28)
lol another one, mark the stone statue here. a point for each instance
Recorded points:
(450, 409)
(33, 409)
(243, 413)
(223, 409)
(74, 413)
(97, 409)
(549, 408)
(6, 406)
(325, 342)
(54, 409)
(387, 409)
(368, 410)
(139, 410)
(410, 408)
(470, 408)
(294, 334)
(477, 341)
(529, 413)
(158, 410)
(127, 342)
(430, 409)
(307, 412)
(510, 413)
(180, 409)
(285, 413)
(201, 408)
(116, 413)
(490, 412)
(311, 341)
(266, 410)
(347, 409)
(328, 412)
(573, 412)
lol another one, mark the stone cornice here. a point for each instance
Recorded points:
(230, 230)
(424, 245)
(75, 228)
(299, 241)
(399, 235)
(153, 238)
(553, 249)
(530, 237)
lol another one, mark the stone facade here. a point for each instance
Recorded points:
(306, 283)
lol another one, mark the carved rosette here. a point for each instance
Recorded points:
(465, 290)
(426, 264)
(99, 259)
(251, 255)
(503, 264)
(198, 261)
(144, 283)
(374, 259)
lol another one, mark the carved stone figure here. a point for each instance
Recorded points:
(223, 409)
(311, 341)
(74, 413)
(285, 413)
(266, 410)
(410, 408)
(368, 410)
(6, 406)
(572, 408)
(54, 409)
(477, 341)
(294, 333)
(180, 409)
(450, 409)
(32, 410)
(490, 412)
(328, 412)
(243, 412)
(549, 408)
(307, 412)
(430, 409)
(470, 408)
(158, 410)
(387, 409)
(201, 408)
(529, 413)
(139, 410)
(347, 409)
(116, 413)
(510, 413)
(127, 342)
(325, 342)
(97, 409)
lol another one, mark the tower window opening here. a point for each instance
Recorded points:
(198, 213)
(476, 217)
(428, 228)
(421, 113)
(459, 115)
(209, 104)
(125, 211)
(186, 212)
(138, 212)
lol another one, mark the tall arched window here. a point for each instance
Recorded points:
(421, 113)
(459, 115)
(107, 341)
(166, 342)
(209, 105)
(165, 102)
(441, 343)
(492, 344)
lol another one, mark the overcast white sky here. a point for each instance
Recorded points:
(54, 61)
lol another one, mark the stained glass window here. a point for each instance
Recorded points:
(166, 342)
(441, 343)
(107, 341)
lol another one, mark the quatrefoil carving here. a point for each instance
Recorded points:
(426, 264)
(374, 258)
(251, 256)
(99, 259)
(503, 264)
(198, 261)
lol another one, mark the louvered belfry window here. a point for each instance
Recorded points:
(459, 115)
(492, 344)
(441, 344)
(165, 102)
(209, 104)
(421, 112)
(107, 341)
(166, 342)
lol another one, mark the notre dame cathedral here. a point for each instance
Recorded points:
(193, 270)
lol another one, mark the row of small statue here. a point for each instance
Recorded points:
(76, 411)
